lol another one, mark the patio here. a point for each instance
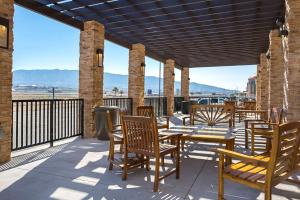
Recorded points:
(78, 170)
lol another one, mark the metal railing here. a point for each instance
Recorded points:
(159, 104)
(36, 122)
(121, 102)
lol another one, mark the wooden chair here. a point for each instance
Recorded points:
(210, 115)
(264, 171)
(141, 137)
(116, 138)
(265, 129)
(148, 111)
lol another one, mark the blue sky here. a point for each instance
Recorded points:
(42, 43)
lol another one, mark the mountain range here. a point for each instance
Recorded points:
(70, 79)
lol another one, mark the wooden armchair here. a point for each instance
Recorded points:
(141, 137)
(211, 115)
(264, 171)
(116, 138)
(265, 129)
(148, 111)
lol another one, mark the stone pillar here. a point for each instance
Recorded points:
(185, 83)
(291, 49)
(90, 75)
(6, 11)
(276, 70)
(169, 85)
(258, 88)
(136, 76)
(264, 82)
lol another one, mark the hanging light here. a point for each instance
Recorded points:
(100, 57)
(4, 36)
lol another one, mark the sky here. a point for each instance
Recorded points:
(43, 43)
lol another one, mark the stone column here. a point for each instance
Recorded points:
(185, 83)
(264, 82)
(90, 75)
(276, 70)
(6, 11)
(291, 49)
(169, 85)
(258, 88)
(136, 76)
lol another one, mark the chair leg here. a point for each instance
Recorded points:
(147, 163)
(252, 144)
(111, 156)
(178, 163)
(182, 144)
(268, 193)
(162, 161)
(220, 178)
(125, 169)
(156, 178)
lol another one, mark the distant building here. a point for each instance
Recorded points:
(251, 87)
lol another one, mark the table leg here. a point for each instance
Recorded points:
(230, 147)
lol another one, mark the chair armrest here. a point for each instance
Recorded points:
(243, 157)
(169, 136)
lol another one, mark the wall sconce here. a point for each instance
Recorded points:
(189, 78)
(100, 57)
(143, 65)
(173, 74)
(4, 33)
(282, 28)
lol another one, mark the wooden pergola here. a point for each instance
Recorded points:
(195, 33)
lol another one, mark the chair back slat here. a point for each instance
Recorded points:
(140, 134)
(212, 114)
(250, 105)
(285, 147)
(146, 111)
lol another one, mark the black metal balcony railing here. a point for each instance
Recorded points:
(38, 122)
(122, 102)
(159, 104)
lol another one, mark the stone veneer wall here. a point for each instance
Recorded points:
(264, 82)
(291, 51)
(136, 75)
(90, 75)
(169, 85)
(275, 70)
(6, 11)
(258, 87)
(185, 83)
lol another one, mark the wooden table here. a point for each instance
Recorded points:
(204, 134)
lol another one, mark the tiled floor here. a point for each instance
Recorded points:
(78, 170)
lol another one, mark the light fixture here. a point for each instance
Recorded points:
(4, 36)
(282, 27)
(100, 57)
(189, 78)
(173, 74)
(143, 64)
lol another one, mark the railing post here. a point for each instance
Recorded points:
(51, 122)
(82, 118)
